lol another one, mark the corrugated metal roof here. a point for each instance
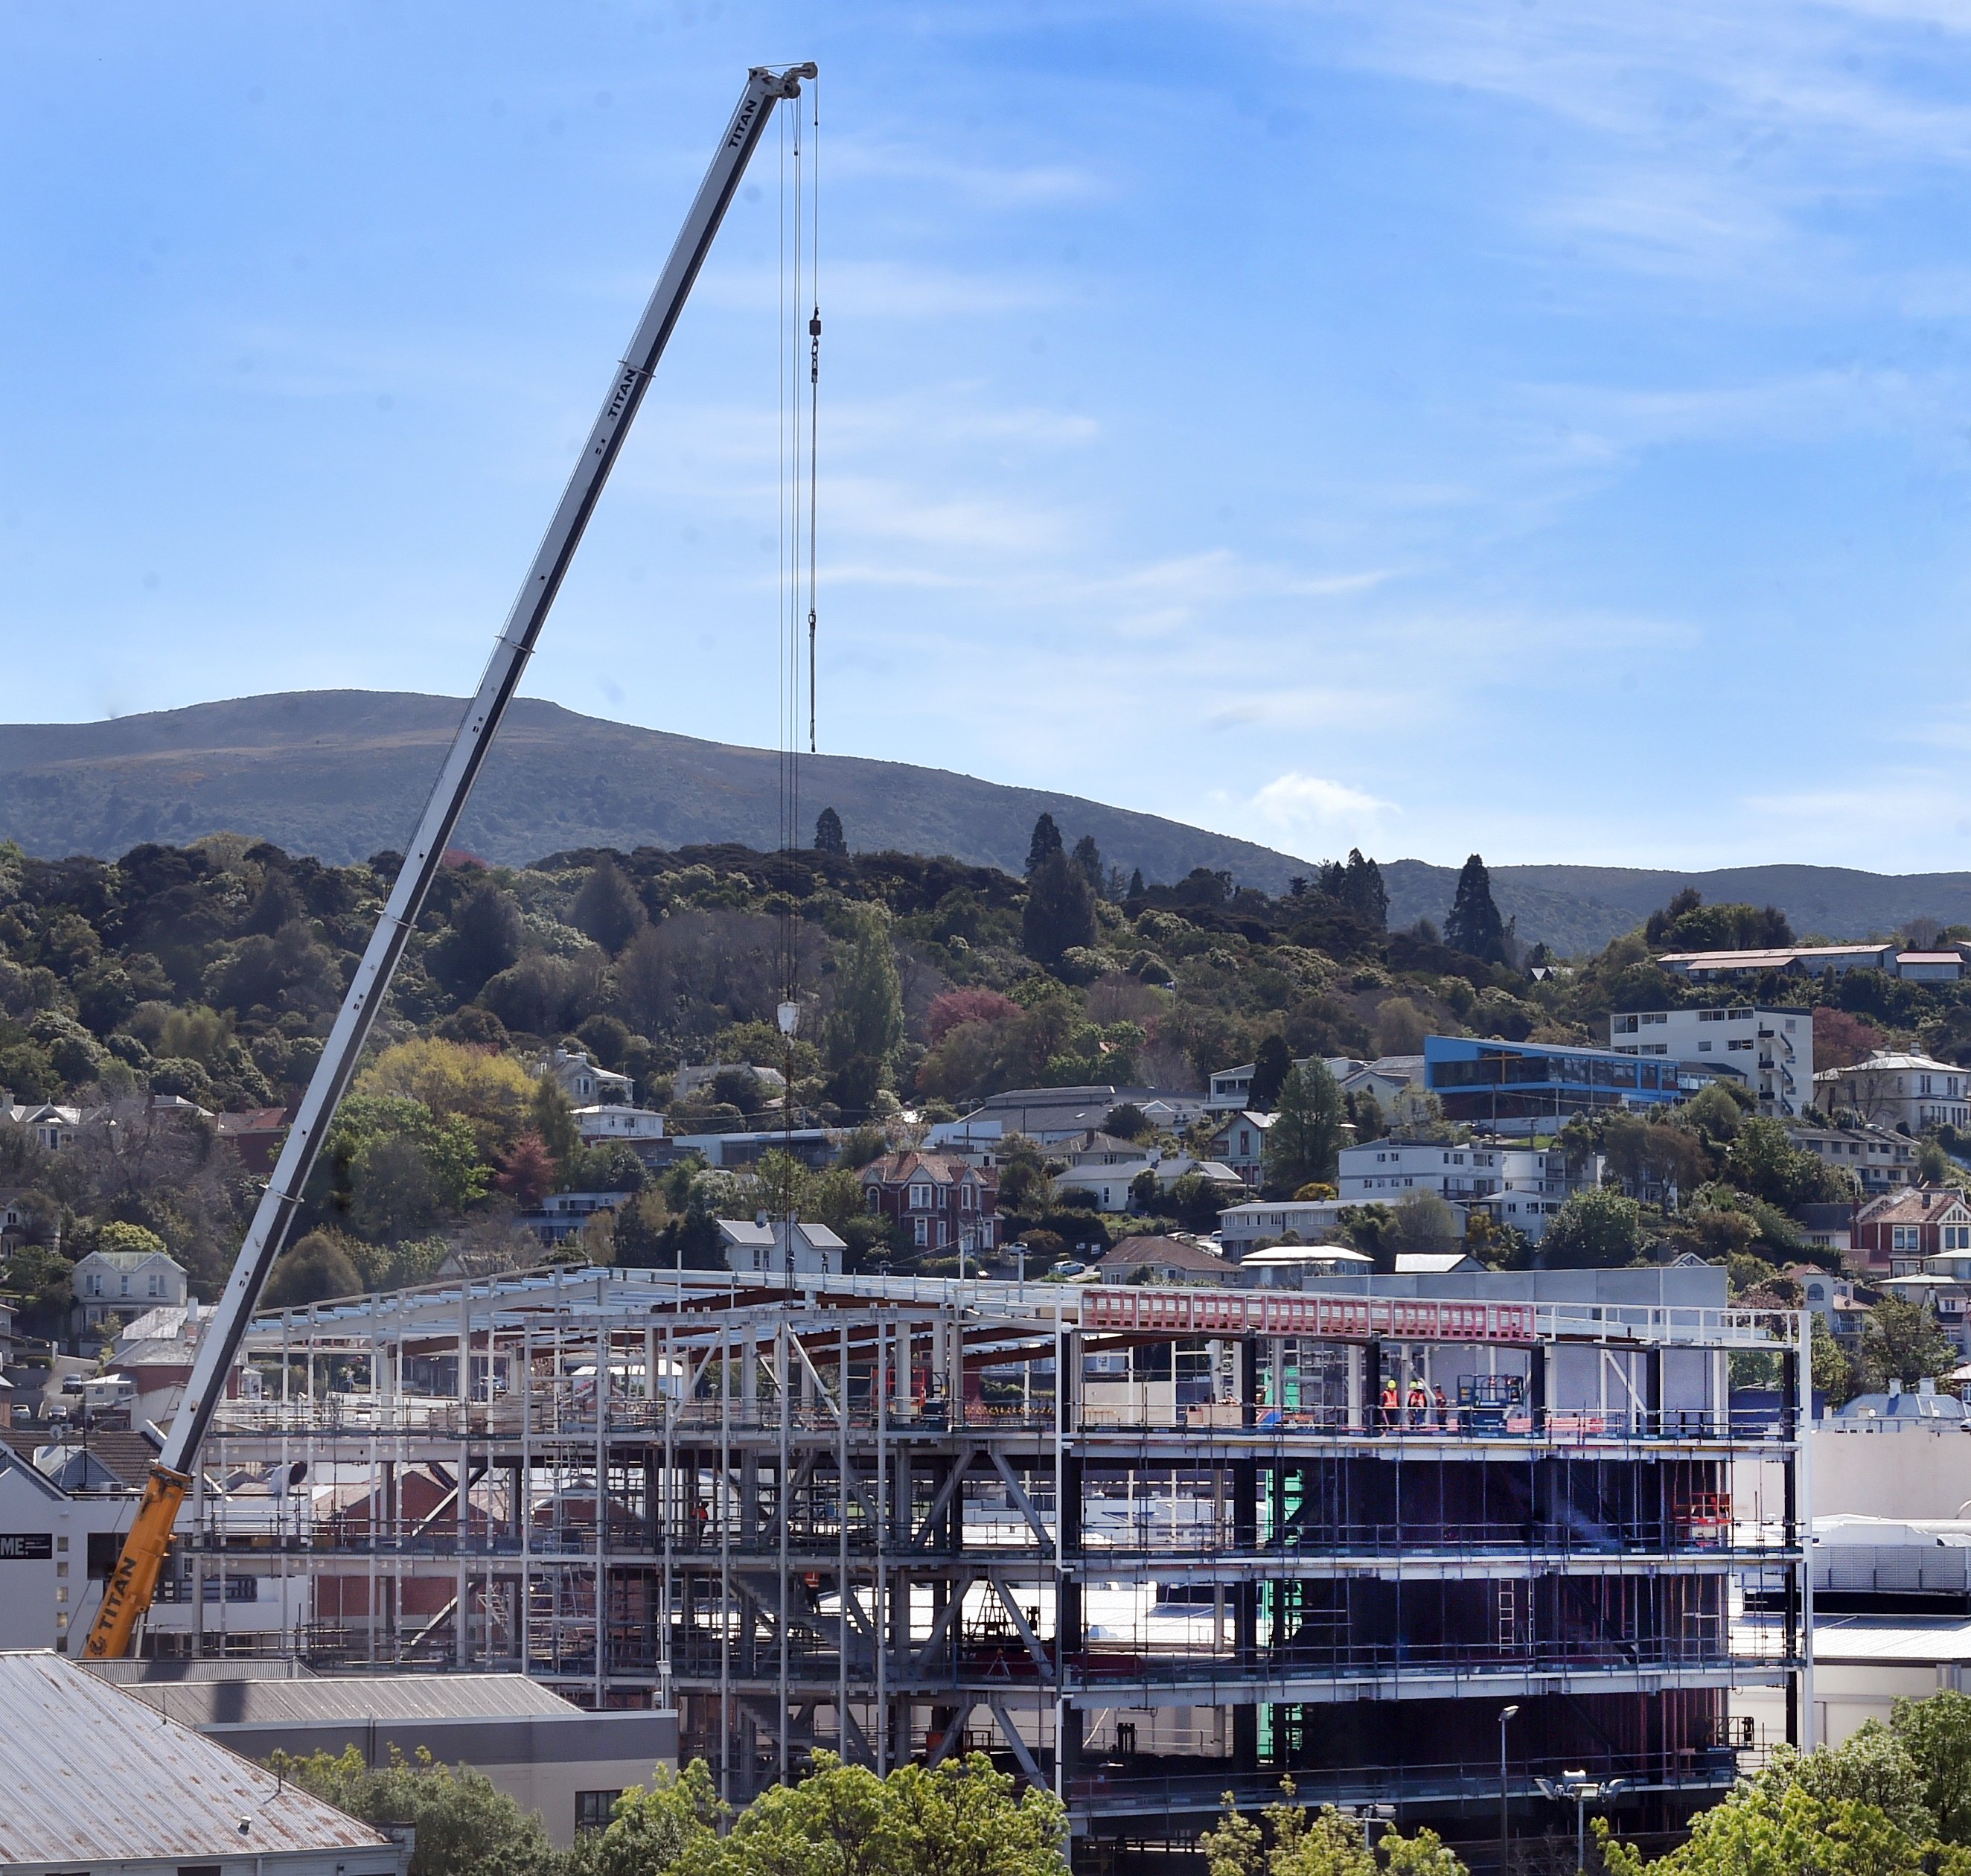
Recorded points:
(91, 1776)
(124, 1673)
(1863, 1639)
(354, 1697)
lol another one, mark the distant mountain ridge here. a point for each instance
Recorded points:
(342, 774)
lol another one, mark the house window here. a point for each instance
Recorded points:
(920, 1198)
(920, 1230)
(94, 1286)
(592, 1809)
(123, 1285)
(875, 1198)
(157, 1282)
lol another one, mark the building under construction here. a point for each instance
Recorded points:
(1143, 1546)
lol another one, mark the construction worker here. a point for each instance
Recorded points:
(1392, 1417)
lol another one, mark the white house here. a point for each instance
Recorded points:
(609, 1121)
(123, 1282)
(1240, 1227)
(1385, 1080)
(1111, 1184)
(1521, 1187)
(51, 1127)
(1770, 1051)
(768, 1249)
(1892, 1089)
(585, 1083)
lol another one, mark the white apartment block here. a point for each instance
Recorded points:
(1770, 1050)
(1521, 1187)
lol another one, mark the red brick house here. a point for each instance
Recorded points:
(1893, 1234)
(258, 1134)
(945, 1203)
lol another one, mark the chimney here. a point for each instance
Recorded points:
(1926, 1387)
(1895, 1387)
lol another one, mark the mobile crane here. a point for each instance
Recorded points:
(127, 1593)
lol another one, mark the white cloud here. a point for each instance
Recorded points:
(1295, 806)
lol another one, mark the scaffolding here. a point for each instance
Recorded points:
(1143, 1546)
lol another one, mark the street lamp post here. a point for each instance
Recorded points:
(1584, 1791)
(1505, 1818)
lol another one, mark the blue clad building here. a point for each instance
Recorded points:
(1511, 1087)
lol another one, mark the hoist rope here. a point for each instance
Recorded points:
(799, 244)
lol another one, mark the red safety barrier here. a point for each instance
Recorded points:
(1333, 1318)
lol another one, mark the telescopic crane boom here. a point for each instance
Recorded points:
(129, 1591)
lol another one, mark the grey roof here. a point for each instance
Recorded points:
(124, 1673)
(745, 1232)
(354, 1697)
(91, 1777)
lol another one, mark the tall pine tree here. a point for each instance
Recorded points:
(1046, 840)
(829, 837)
(1474, 925)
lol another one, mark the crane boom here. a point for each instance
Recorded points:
(127, 1593)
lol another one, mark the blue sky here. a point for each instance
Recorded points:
(1540, 426)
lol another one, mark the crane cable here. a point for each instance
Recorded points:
(799, 250)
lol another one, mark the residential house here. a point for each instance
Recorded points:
(1166, 1260)
(813, 1145)
(1879, 1158)
(1893, 1233)
(1097, 1148)
(16, 1223)
(1385, 1081)
(1239, 1141)
(1769, 1052)
(1891, 1088)
(561, 1214)
(1050, 1117)
(1231, 1089)
(125, 1283)
(1521, 1187)
(52, 1127)
(585, 1083)
(697, 1079)
(612, 1123)
(1929, 967)
(1829, 1223)
(256, 1136)
(762, 1246)
(942, 1201)
(1832, 1299)
(1113, 1186)
(1243, 1228)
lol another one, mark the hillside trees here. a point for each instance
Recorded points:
(829, 837)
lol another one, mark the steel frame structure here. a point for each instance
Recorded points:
(860, 1514)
